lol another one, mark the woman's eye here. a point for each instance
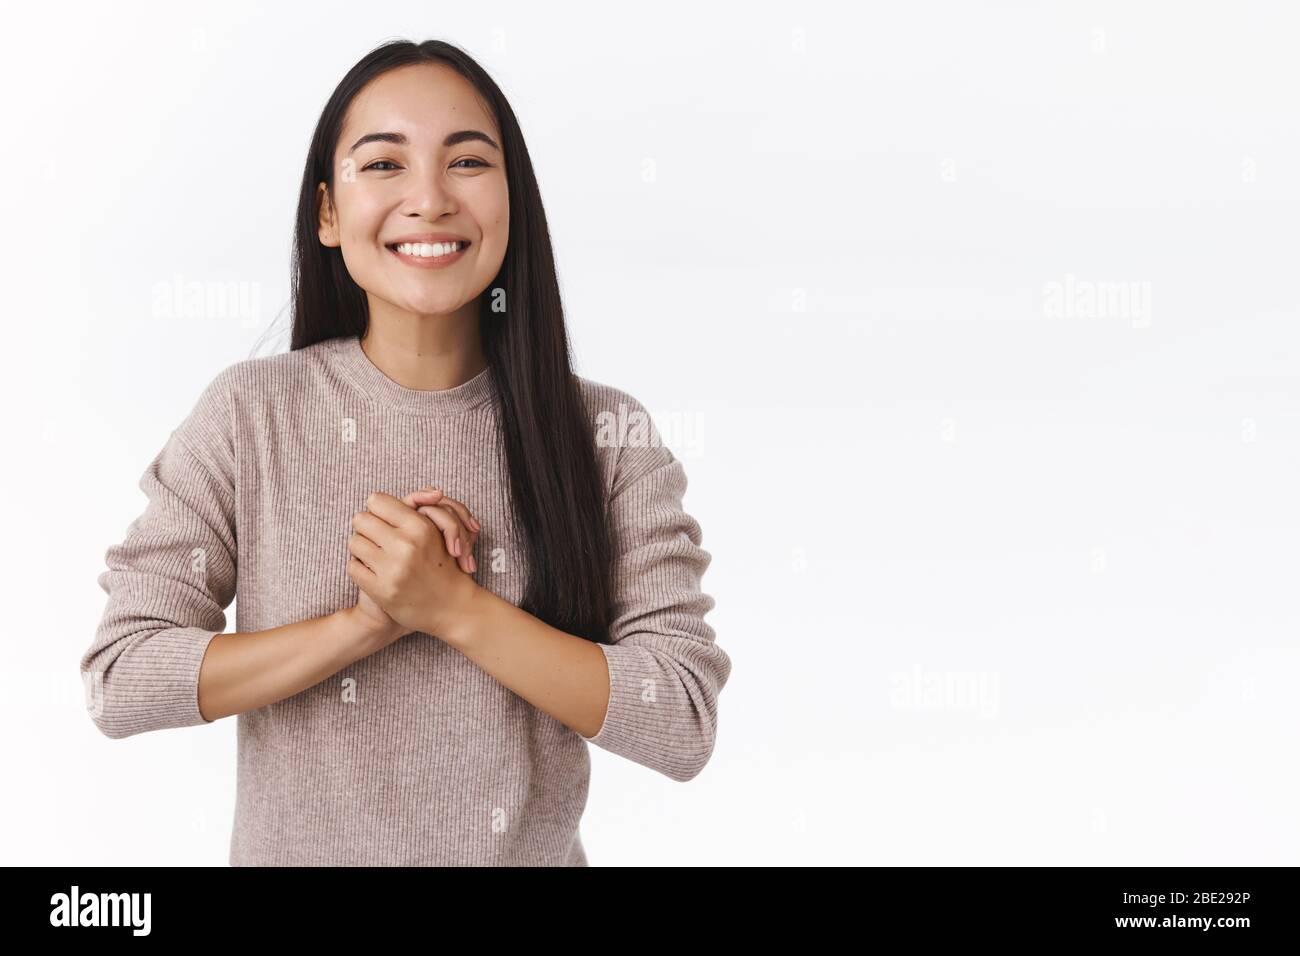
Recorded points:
(390, 164)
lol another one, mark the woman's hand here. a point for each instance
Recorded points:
(460, 536)
(401, 559)
(373, 617)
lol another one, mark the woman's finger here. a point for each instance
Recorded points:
(373, 527)
(428, 497)
(471, 534)
(362, 576)
(455, 534)
(362, 548)
(437, 496)
(469, 520)
(460, 544)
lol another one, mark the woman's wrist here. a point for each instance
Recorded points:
(457, 621)
(366, 632)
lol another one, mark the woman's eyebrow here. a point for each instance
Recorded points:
(452, 139)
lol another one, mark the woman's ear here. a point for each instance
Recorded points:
(327, 223)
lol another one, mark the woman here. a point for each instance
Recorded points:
(402, 700)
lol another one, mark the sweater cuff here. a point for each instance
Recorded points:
(649, 719)
(160, 688)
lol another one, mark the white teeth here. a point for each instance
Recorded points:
(426, 250)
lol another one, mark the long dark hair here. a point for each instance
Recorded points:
(559, 515)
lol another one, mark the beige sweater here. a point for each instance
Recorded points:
(413, 755)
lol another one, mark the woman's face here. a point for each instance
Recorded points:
(437, 170)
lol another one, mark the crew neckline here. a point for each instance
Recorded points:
(440, 402)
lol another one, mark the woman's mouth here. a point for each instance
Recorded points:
(428, 255)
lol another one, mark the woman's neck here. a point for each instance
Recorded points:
(428, 353)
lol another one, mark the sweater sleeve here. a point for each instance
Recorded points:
(665, 667)
(168, 582)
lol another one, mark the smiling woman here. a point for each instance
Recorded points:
(405, 170)
(400, 702)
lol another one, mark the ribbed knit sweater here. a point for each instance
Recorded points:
(413, 755)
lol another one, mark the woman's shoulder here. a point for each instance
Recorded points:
(628, 443)
(257, 374)
(602, 397)
(241, 391)
(249, 382)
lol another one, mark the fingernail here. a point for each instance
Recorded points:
(474, 522)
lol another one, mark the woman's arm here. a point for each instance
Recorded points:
(243, 671)
(401, 561)
(250, 669)
(160, 658)
(169, 580)
(650, 694)
(557, 672)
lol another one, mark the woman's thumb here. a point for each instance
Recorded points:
(426, 495)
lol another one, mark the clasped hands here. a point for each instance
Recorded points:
(411, 558)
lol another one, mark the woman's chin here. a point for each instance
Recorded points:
(429, 305)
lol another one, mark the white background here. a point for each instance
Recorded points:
(1001, 583)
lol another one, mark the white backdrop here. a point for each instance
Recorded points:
(975, 326)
